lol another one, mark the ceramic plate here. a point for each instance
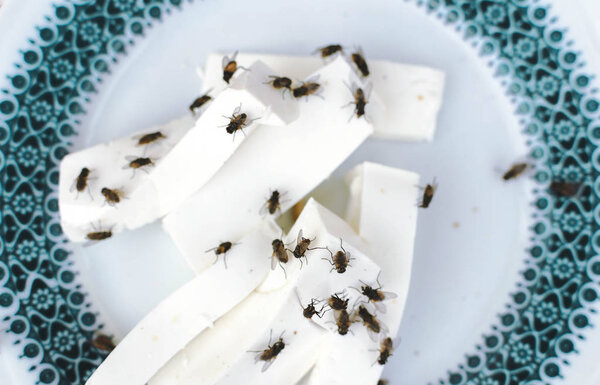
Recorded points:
(505, 278)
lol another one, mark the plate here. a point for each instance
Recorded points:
(505, 277)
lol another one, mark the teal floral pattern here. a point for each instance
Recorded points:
(42, 308)
(41, 111)
(550, 308)
(28, 156)
(90, 32)
(525, 48)
(48, 314)
(28, 251)
(64, 340)
(546, 312)
(42, 299)
(521, 353)
(564, 130)
(62, 69)
(23, 203)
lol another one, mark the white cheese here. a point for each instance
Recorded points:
(207, 146)
(224, 348)
(387, 222)
(292, 159)
(411, 95)
(188, 311)
(383, 205)
(178, 172)
(319, 279)
(214, 351)
(324, 229)
(257, 78)
(303, 341)
(86, 211)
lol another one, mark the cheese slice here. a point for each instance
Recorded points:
(303, 341)
(86, 211)
(214, 351)
(383, 207)
(188, 311)
(292, 160)
(411, 95)
(193, 157)
(325, 230)
(206, 147)
(387, 223)
(223, 349)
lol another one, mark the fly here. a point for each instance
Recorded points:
(81, 182)
(565, 189)
(373, 325)
(375, 295)
(360, 101)
(103, 342)
(358, 58)
(279, 255)
(273, 204)
(237, 121)
(269, 354)
(280, 82)
(302, 246)
(99, 235)
(343, 322)
(309, 87)
(222, 249)
(337, 302)
(230, 66)
(310, 310)
(515, 170)
(428, 192)
(330, 50)
(150, 138)
(112, 196)
(339, 261)
(387, 346)
(199, 102)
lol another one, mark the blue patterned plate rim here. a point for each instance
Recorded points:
(45, 311)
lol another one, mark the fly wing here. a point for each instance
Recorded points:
(313, 79)
(388, 295)
(273, 261)
(73, 185)
(370, 306)
(299, 239)
(267, 364)
(263, 209)
(380, 307)
(372, 335)
(396, 342)
(367, 90)
(384, 329)
(225, 61)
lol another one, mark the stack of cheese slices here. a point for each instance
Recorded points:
(320, 304)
